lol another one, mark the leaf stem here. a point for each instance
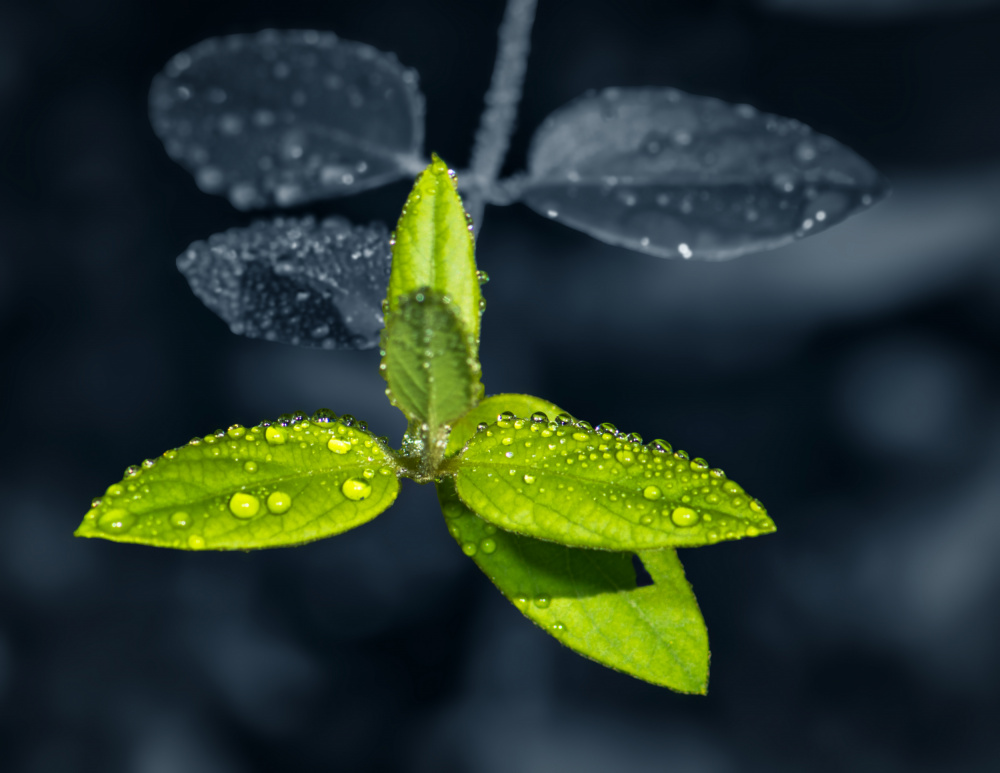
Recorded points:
(496, 124)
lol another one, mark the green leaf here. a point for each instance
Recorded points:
(428, 364)
(571, 484)
(433, 247)
(489, 409)
(267, 486)
(588, 599)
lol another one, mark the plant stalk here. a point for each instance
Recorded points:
(496, 124)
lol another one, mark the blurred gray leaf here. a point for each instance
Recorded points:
(284, 117)
(671, 174)
(295, 280)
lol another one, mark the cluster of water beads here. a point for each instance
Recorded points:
(694, 493)
(113, 513)
(295, 280)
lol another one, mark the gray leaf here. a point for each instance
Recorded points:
(671, 174)
(295, 280)
(284, 117)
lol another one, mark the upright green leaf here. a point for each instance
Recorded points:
(588, 599)
(428, 364)
(433, 247)
(489, 409)
(572, 484)
(277, 484)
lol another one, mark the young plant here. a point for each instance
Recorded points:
(550, 508)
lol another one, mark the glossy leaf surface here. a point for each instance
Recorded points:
(295, 281)
(597, 489)
(284, 117)
(588, 599)
(428, 363)
(434, 247)
(677, 175)
(259, 487)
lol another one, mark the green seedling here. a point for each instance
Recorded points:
(552, 509)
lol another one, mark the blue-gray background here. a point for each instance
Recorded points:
(850, 381)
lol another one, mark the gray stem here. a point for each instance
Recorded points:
(497, 121)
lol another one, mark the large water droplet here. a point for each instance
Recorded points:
(488, 546)
(652, 492)
(356, 489)
(278, 502)
(684, 516)
(339, 446)
(244, 505)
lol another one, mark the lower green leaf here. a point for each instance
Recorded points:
(272, 485)
(589, 601)
(570, 483)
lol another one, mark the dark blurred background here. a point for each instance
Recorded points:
(850, 381)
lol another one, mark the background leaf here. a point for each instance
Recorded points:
(272, 485)
(295, 280)
(588, 599)
(672, 174)
(283, 117)
(590, 488)
(428, 364)
(434, 247)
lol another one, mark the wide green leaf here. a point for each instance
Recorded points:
(588, 599)
(428, 362)
(488, 410)
(572, 484)
(283, 483)
(433, 247)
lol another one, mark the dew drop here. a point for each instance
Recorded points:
(278, 502)
(274, 435)
(339, 446)
(244, 505)
(116, 521)
(236, 431)
(469, 548)
(195, 542)
(488, 546)
(684, 516)
(542, 601)
(652, 492)
(180, 520)
(356, 489)
(250, 466)
(529, 479)
(579, 436)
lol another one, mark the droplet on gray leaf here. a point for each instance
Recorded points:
(284, 117)
(295, 280)
(671, 174)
